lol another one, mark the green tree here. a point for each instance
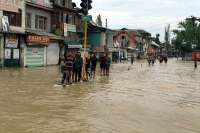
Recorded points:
(184, 36)
(98, 20)
(157, 40)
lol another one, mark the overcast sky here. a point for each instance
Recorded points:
(150, 15)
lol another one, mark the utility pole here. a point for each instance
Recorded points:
(194, 38)
(86, 5)
(106, 36)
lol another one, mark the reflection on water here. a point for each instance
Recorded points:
(158, 99)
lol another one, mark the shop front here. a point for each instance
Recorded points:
(35, 51)
(11, 50)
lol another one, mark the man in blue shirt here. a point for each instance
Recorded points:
(108, 61)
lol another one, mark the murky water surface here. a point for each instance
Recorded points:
(157, 99)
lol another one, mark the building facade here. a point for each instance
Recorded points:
(125, 40)
(65, 21)
(97, 37)
(42, 46)
(12, 32)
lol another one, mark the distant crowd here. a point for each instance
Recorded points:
(71, 67)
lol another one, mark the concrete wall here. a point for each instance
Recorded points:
(14, 28)
(1, 51)
(36, 11)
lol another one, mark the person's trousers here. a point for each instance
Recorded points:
(79, 73)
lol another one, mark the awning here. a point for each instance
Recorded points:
(98, 48)
(71, 42)
(155, 44)
(52, 36)
(75, 46)
(13, 32)
(113, 50)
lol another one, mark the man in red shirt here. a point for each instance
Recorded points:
(102, 64)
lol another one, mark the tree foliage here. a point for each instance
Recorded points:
(157, 40)
(98, 20)
(184, 36)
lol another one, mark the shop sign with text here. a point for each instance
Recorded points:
(9, 5)
(38, 39)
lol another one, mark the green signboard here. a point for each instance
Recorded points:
(86, 18)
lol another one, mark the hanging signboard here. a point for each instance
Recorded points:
(35, 52)
(71, 27)
(46, 3)
(10, 5)
(11, 41)
(15, 53)
(7, 54)
(5, 23)
(65, 29)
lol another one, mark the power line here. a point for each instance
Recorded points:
(164, 23)
(161, 28)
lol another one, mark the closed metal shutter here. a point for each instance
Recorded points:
(35, 56)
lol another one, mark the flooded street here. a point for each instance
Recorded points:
(156, 99)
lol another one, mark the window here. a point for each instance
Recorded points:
(70, 19)
(57, 17)
(13, 18)
(65, 3)
(28, 20)
(61, 17)
(74, 20)
(40, 22)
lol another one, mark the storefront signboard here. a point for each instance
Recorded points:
(71, 28)
(5, 23)
(10, 5)
(11, 41)
(38, 39)
(65, 29)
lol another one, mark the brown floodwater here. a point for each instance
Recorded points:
(164, 98)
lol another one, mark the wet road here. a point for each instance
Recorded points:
(157, 99)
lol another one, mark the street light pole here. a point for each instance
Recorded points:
(194, 38)
(106, 36)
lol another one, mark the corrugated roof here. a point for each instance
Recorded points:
(133, 32)
(52, 36)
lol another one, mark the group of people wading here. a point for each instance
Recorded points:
(71, 67)
(152, 59)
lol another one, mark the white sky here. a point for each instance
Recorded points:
(150, 15)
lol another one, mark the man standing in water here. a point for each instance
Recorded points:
(108, 61)
(69, 67)
(102, 64)
(80, 66)
(94, 60)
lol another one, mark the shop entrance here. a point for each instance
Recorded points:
(11, 58)
(11, 50)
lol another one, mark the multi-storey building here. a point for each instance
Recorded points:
(42, 46)
(12, 32)
(38, 32)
